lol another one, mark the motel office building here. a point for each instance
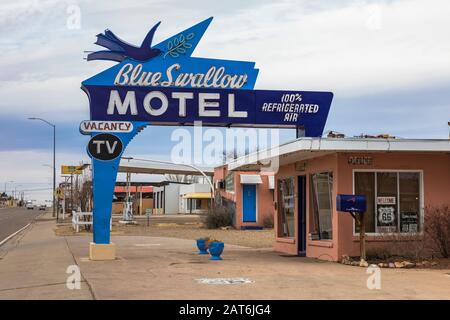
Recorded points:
(398, 176)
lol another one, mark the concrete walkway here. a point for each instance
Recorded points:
(33, 265)
(168, 268)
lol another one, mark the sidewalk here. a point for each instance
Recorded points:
(33, 265)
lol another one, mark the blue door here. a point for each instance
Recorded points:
(249, 203)
(301, 216)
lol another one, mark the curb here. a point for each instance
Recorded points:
(12, 235)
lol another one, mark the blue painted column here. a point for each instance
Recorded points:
(104, 175)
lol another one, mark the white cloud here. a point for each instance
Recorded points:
(30, 170)
(356, 48)
(337, 49)
(58, 98)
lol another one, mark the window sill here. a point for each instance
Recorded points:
(286, 240)
(321, 243)
(390, 237)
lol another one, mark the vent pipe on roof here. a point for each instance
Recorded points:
(335, 134)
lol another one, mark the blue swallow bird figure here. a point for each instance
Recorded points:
(120, 50)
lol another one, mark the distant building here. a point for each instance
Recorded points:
(195, 198)
(167, 198)
(141, 195)
(181, 198)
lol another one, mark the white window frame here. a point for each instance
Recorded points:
(330, 190)
(295, 190)
(421, 200)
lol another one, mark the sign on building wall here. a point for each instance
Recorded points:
(357, 160)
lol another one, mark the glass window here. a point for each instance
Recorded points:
(409, 201)
(365, 185)
(286, 208)
(229, 182)
(387, 215)
(322, 184)
(393, 201)
(196, 204)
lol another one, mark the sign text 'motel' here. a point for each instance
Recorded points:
(221, 107)
(163, 84)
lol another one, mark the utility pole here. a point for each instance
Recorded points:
(54, 161)
(6, 182)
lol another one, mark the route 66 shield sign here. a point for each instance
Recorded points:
(386, 215)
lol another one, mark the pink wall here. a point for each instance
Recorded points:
(436, 184)
(325, 249)
(265, 205)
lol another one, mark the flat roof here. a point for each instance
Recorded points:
(160, 168)
(307, 148)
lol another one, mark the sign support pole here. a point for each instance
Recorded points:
(362, 236)
(356, 205)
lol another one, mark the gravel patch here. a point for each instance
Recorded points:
(247, 238)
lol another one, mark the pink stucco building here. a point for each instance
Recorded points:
(250, 194)
(398, 176)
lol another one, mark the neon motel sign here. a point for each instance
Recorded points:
(163, 84)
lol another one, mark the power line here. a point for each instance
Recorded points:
(36, 189)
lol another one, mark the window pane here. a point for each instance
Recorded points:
(286, 207)
(365, 185)
(409, 201)
(387, 202)
(322, 186)
(229, 182)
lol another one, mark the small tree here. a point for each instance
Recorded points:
(437, 229)
(86, 196)
(220, 216)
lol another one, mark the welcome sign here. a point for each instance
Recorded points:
(163, 84)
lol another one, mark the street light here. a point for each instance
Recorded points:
(15, 190)
(54, 164)
(6, 182)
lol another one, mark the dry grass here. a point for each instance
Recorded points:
(247, 238)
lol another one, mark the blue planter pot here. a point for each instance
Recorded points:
(201, 245)
(216, 249)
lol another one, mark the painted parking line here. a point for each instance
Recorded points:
(224, 280)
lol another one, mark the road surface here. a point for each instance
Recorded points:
(12, 219)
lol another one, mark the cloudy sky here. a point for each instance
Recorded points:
(387, 62)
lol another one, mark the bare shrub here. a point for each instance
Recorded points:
(378, 253)
(398, 245)
(220, 216)
(268, 221)
(437, 229)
